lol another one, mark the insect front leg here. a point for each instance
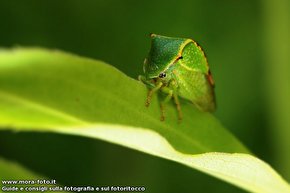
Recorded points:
(153, 88)
(167, 98)
(145, 81)
(176, 100)
(174, 87)
(151, 92)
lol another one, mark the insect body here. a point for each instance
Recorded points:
(178, 67)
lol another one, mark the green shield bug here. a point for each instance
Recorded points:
(178, 67)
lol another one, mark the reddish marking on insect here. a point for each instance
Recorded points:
(210, 79)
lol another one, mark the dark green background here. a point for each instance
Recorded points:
(236, 36)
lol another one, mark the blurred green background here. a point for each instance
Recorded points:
(247, 45)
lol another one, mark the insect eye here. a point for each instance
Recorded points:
(162, 75)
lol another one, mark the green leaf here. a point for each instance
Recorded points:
(51, 91)
(11, 171)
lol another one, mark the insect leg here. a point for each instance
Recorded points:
(151, 92)
(175, 97)
(162, 104)
(148, 83)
